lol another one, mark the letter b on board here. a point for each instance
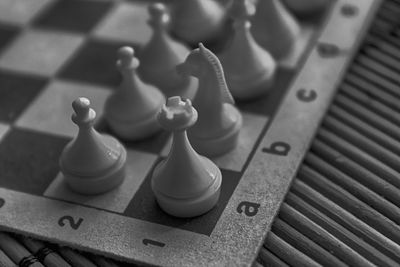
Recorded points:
(277, 148)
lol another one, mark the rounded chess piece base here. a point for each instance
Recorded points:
(194, 206)
(251, 87)
(110, 179)
(218, 145)
(135, 128)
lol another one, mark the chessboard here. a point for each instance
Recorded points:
(53, 51)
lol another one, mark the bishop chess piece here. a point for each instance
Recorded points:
(275, 28)
(131, 111)
(198, 20)
(161, 54)
(185, 184)
(91, 163)
(249, 69)
(219, 124)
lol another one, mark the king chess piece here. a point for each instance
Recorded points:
(185, 184)
(91, 163)
(219, 123)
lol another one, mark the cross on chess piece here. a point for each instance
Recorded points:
(161, 54)
(275, 28)
(219, 124)
(131, 111)
(185, 184)
(198, 20)
(249, 69)
(92, 163)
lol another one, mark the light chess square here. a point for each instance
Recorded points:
(21, 12)
(40, 52)
(57, 99)
(127, 22)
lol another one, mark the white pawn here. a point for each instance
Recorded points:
(131, 111)
(275, 29)
(198, 20)
(185, 184)
(161, 54)
(91, 163)
(249, 69)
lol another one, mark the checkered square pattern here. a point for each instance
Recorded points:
(3, 130)
(54, 51)
(73, 15)
(70, 51)
(39, 52)
(21, 12)
(7, 34)
(126, 23)
(94, 63)
(56, 99)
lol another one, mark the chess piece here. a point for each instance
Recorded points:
(131, 111)
(219, 124)
(185, 184)
(305, 8)
(249, 69)
(274, 28)
(161, 54)
(91, 163)
(196, 21)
